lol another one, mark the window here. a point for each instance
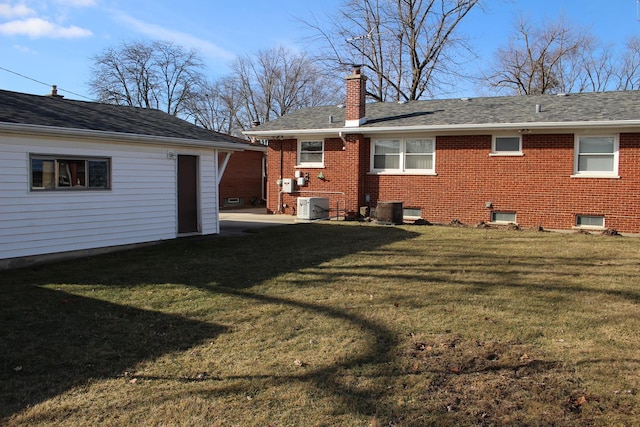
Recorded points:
(60, 173)
(589, 221)
(311, 153)
(412, 213)
(386, 155)
(503, 217)
(506, 146)
(403, 156)
(596, 156)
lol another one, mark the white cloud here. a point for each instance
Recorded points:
(19, 10)
(37, 27)
(77, 3)
(183, 39)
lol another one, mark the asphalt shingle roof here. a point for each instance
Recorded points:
(21, 108)
(579, 107)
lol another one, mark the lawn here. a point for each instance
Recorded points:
(329, 324)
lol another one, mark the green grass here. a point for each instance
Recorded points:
(329, 324)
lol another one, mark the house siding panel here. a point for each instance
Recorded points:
(140, 206)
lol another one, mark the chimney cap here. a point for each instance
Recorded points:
(54, 92)
(357, 68)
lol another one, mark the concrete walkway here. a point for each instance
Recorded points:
(236, 222)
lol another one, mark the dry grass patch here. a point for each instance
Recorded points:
(329, 324)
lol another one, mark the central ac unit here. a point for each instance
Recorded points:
(310, 208)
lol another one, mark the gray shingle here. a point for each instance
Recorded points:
(21, 108)
(577, 107)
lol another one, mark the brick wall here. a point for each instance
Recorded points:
(242, 177)
(538, 186)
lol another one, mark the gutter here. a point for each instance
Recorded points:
(448, 128)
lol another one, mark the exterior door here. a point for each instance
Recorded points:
(187, 194)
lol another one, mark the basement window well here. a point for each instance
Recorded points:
(503, 217)
(412, 213)
(589, 221)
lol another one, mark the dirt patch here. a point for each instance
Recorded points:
(495, 383)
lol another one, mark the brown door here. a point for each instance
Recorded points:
(187, 194)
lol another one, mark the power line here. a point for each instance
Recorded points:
(43, 83)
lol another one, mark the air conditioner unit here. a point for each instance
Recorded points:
(310, 208)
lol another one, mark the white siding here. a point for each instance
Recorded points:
(141, 205)
(209, 195)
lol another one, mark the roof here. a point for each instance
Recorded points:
(58, 113)
(564, 110)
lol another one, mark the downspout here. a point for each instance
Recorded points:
(280, 180)
(344, 141)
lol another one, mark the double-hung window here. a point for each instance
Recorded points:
(596, 156)
(411, 155)
(67, 173)
(311, 153)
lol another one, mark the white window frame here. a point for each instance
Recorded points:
(402, 169)
(300, 163)
(496, 152)
(417, 211)
(494, 221)
(590, 227)
(596, 174)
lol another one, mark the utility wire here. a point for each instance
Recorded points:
(46, 84)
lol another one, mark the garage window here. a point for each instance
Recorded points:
(69, 173)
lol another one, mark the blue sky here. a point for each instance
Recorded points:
(52, 41)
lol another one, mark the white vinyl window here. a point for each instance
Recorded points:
(589, 221)
(311, 153)
(506, 146)
(412, 155)
(503, 217)
(596, 156)
(69, 173)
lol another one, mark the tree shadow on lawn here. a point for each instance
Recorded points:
(42, 325)
(54, 340)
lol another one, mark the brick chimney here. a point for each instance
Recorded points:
(355, 114)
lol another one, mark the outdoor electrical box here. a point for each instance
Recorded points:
(312, 208)
(288, 185)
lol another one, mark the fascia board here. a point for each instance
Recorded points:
(115, 137)
(600, 124)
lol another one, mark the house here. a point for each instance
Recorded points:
(78, 176)
(243, 184)
(561, 161)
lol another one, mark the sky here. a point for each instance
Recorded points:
(47, 42)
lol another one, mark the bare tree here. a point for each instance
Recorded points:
(410, 48)
(595, 70)
(264, 86)
(555, 57)
(628, 74)
(156, 74)
(214, 107)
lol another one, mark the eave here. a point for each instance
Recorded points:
(453, 128)
(117, 137)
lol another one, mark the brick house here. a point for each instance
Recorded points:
(243, 182)
(558, 161)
